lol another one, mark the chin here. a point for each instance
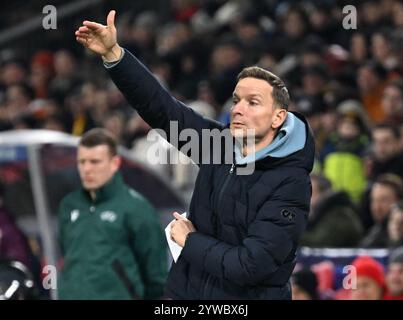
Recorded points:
(238, 132)
(89, 186)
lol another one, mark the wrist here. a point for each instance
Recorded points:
(187, 237)
(113, 55)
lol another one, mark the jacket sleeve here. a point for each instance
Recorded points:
(61, 224)
(149, 246)
(154, 103)
(271, 239)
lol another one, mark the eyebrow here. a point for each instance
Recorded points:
(252, 95)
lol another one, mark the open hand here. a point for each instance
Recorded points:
(99, 38)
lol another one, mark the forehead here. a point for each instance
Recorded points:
(93, 152)
(380, 133)
(392, 90)
(396, 266)
(382, 189)
(365, 280)
(253, 86)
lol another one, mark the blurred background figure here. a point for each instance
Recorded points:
(304, 285)
(386, 191)
(394, 275)
(392, 103)
(387, 154)
(110, 237)
(371, 77)
(342, 152)
(333, 219)
(13, 243)
(370, 279)
(19, 274)
(395, 226)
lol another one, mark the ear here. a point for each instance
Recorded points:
(116, 162)
(279, 116)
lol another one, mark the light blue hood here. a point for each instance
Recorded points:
(290, 138)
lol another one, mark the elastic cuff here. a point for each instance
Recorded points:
(109, 65)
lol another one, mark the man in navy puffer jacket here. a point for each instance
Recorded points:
(241, 236)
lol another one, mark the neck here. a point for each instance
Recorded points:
(252, 146)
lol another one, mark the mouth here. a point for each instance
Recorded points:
(237, 124)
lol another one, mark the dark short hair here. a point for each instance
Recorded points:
(396, 256)
(280, 93)
(393, 129)
(322, 182)
(396, 83)
(376, 67)
(97, 137)
(392, 181)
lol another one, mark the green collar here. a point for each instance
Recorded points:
(110, 189)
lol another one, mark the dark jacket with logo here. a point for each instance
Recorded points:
(113, 247)
(248, 226)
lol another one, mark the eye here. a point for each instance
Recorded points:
(235, 100)
(253, 102)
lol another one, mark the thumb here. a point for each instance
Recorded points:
(110, 20)
(177, 216)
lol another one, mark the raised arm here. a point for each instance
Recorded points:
(153, 102)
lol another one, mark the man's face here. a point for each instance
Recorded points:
(253, 109)
(367, 289)
(382, 199)
(96, 166)
(395, 225)
(394, 279)
(392, 101)
(385, 144)
(348, 129)
(366, 80)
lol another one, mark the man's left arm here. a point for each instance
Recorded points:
(149, 245)
(271, 239)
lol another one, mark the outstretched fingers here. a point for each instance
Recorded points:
(84, 29)
(81, 34)
(81, 40)
(93, 26)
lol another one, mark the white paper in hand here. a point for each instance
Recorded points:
(173, 246)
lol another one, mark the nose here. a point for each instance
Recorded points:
(238, 108)
(85, 167)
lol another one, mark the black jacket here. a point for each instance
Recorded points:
(333, 223)
(248, 226)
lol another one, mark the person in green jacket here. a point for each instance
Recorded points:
(110, 237)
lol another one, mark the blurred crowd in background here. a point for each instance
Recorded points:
(348, 83)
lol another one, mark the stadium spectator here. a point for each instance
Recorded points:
(333, 220)
(394, 275)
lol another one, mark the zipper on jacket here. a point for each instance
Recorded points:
(224, 186)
